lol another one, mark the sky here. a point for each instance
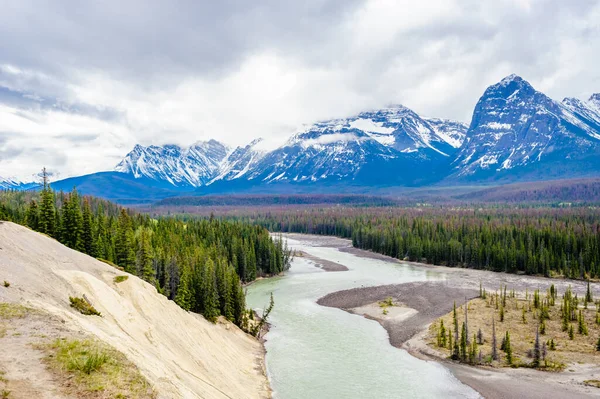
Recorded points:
(82, 82)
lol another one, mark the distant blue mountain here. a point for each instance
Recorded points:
(121, 187)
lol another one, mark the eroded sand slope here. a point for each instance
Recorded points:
(182, 354)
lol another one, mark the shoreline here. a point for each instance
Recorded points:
(431, 300)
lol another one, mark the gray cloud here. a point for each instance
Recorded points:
(90, 79)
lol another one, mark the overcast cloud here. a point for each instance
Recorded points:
(82, 82)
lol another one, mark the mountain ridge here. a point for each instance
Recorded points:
(516, 134)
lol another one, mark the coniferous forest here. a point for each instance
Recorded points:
(199, 263)
(532, 240)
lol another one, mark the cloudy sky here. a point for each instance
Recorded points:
(82, 82)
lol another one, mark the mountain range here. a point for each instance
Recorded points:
(516, 134)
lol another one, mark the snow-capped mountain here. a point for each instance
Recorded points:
(14, 184)
(517, 131)
(335, 149)
(349, 149)
(239, 162)
(193, 166)
(516, 134)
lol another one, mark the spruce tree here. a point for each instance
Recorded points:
(588, 293)
(508, 349)
(494, 342)
(536, 350)
(32, 216)
(47, 221)
(463, 343)
(184, 292)
(88, 230)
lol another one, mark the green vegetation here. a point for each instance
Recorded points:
(83, 306)
(5, 394)
(12, 311)
(385, 304)
(199, 263)
(94, 370)
(541, 331)
(539, 241)
(120, 279)
(6, 284)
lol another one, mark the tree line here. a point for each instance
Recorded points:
(201, 264)
(537, 241)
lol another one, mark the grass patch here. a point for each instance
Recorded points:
(12, 311)
(111, 264)
(592, 383)
(120, 279)
(521, 319)
(6, 284)
(5, 394)
(83, 306)
(95, 370)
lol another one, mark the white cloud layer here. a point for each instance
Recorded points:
(81, 83)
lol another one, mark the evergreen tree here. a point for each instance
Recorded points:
(508, 349)
(32, 216)
(47, 221)
(89, 244)
(536, 350)
(494, 342)
(588, 294)
(211, 296)
(463, 343)
(582, 326)
(571, 332)
(124, 253)
(144, 256)
(184, 290)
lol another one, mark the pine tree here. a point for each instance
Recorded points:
(442, 335)
(494, 342)
(463, 343)
(582, 326)
(32, 216)
(588, 293)
(47, 221)
(571, 332)
(467, 321)
(144, 256)
(211, 297)
(124, 253)
(456, 348)
(184, 293)
(536, 350)
(508, 349)
(543, 327)
(89, 244)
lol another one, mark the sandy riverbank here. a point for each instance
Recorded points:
(422, 303)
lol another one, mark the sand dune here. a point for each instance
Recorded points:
(180, 353)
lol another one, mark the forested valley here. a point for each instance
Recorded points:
(544, 241)
(201, 264)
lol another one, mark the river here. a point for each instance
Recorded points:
(316, 352)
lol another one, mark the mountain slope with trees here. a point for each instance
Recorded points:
(200, 264)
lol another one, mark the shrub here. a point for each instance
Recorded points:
(6, 284)
(83, 306)
(120, 279)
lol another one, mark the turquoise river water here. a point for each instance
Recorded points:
(316, 352)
